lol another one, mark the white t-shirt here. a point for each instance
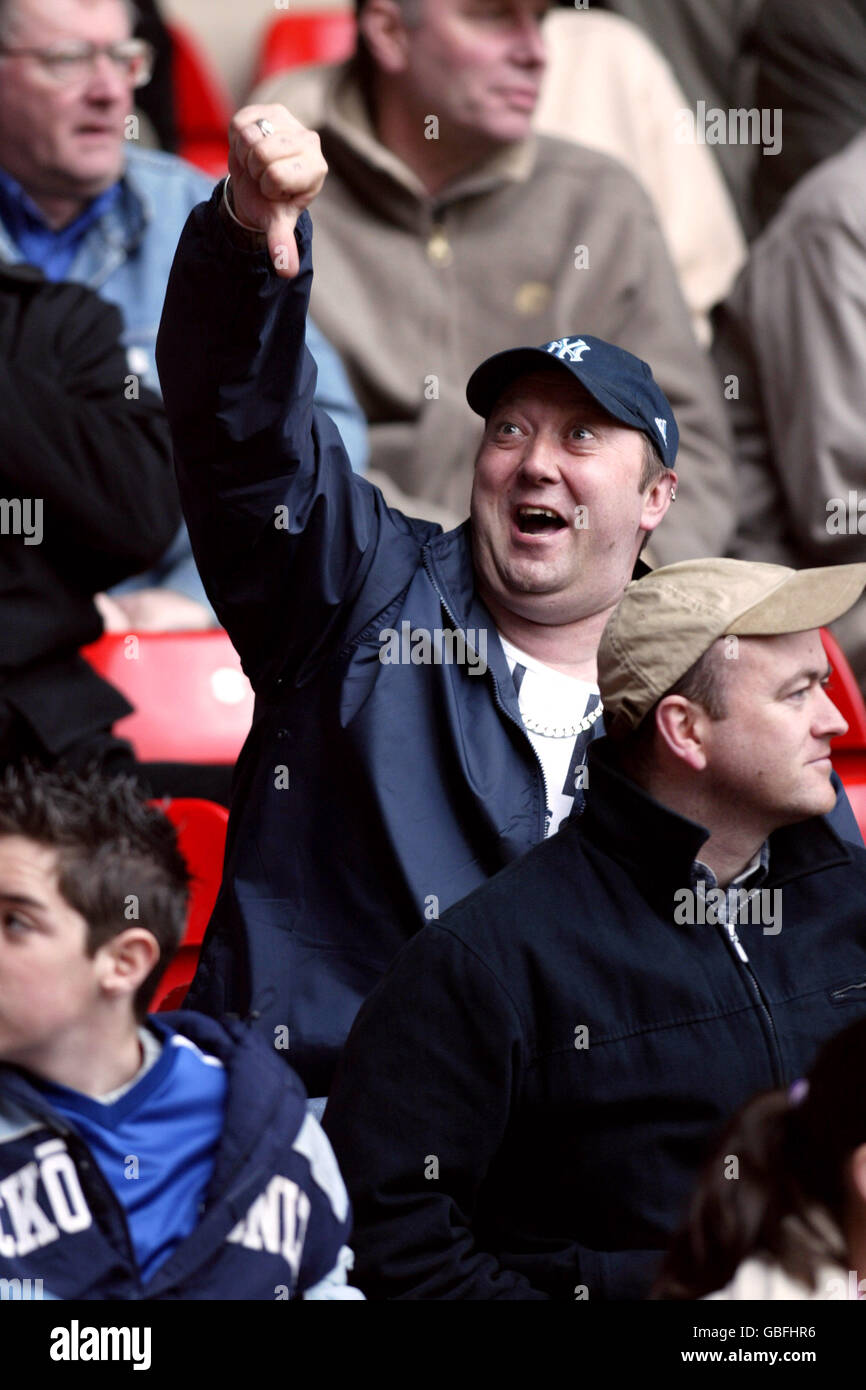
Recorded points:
(553, 702)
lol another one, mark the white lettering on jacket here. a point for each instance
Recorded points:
(276, 1222)
(24, 1224)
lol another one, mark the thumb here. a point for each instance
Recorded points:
(282, 247)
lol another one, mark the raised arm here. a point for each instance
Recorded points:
(284, 533)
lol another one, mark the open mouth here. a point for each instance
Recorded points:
(524, 101)
(538, 521)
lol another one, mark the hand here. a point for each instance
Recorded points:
(274, 177)
(152, 610)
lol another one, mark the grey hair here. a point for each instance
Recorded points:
(7, 8)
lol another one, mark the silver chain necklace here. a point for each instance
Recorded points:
(562, 730)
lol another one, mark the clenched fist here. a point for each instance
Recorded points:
(276, 169)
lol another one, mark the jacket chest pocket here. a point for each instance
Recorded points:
(854, 993)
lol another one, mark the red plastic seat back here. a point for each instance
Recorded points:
(202, 106)
(201, 836)
(314, 36)
(193, 703)
(201, 828)
(851, 767)
(846, 696)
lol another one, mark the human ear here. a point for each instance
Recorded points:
(383, 26)
(680, 724)
(126, 961)
(657, 498)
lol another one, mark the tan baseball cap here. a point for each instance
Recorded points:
(667, 620)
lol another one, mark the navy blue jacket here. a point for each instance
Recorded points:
(524, 1101)
(368, 797)
(77, 1242)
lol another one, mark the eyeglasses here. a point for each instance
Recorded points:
(69, 63)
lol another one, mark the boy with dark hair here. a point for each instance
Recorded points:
(165, 1159)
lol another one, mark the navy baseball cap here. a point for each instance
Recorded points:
(621, 383)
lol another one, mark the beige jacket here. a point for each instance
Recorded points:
(608, 86)
(546, 239)
(792, 340)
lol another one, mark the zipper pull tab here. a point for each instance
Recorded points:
(735, 941)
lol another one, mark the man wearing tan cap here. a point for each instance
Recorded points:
(524, 1100)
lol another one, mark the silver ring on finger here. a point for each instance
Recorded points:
(265, 126)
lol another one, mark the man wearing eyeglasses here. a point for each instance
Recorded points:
(82, 202)
(76, 197)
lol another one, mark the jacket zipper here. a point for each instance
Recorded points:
(545, 812)
(738, 950)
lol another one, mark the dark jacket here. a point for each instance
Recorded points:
(525, 1099)
(369, 797)
(97, 459)
(269, 1149)
(408, 785)
(811, 66)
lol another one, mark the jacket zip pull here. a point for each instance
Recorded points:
(730, 930)
(736, 942)
(737, 946)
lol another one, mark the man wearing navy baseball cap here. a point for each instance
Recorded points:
(617, 380)
(425, 698)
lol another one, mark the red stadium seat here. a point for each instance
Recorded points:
(202, 107)
(854, 782)
(849, 751)
(201, 827)
(314, 36)
(846, 696)
(193, 703)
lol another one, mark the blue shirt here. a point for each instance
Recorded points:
(156, 1144)
(52, 249)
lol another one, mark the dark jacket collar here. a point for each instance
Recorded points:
(448, 561)
(19, 272)
(657, 846)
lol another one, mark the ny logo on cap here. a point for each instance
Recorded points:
(571, 349)
(662, 427)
